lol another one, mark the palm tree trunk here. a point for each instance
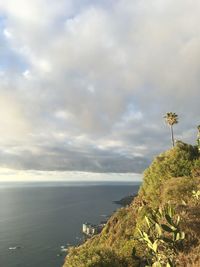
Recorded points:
(172, 134)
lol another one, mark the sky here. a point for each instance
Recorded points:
(84, 84)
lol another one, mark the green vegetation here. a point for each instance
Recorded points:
(171, 118)
(180, 161)
(160, 227)
(163, 237)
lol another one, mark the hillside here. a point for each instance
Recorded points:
(161, 227)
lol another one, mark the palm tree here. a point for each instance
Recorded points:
(171, 118)
(198, 137)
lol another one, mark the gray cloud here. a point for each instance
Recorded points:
(90, 81)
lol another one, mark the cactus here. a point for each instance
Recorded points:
(162, 237)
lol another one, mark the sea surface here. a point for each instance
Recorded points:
(41, 217)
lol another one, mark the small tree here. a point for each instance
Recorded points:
(171, 118)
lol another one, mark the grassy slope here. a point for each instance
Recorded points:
(171, 177)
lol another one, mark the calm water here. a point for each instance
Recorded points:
(42, 217)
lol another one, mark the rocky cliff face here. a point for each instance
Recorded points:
(172, 179)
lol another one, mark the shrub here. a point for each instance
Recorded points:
(177, 162)
(177, 190)
(163, 237)
(94, 257)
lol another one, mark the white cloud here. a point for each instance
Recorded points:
(14, 124)
(26, 74)
(97, 77)
(9, 175)
(7, 33)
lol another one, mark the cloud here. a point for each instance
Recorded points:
(14, 124)
(65, 176)
(89, 82)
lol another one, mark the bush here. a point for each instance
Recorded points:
(177, 190)
(196, 168)
(163, 237)
(176, 162)
(94, 257)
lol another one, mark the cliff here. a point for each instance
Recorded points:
(161, 225)
(125, 200)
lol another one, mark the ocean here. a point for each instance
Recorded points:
(41, 217)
